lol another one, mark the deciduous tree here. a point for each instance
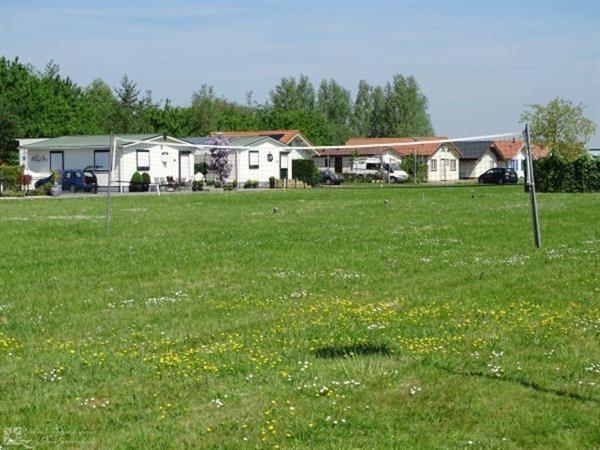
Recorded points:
(560, 126)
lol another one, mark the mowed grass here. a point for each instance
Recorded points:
(352, 318)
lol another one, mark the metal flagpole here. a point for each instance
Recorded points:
(532, 195)
(111, 152)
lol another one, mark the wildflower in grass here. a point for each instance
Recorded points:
(414, 390)
(217, 402)
(53, 375)
(94, 402)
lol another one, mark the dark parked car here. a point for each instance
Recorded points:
(75, 180)
(499, 175)
(328, 177)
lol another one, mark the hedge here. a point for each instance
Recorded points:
(553, 174)
(306, 170)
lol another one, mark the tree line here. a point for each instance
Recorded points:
(44, 103)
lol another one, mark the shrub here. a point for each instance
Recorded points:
(9, 175)
(26, 179)
(146, 178)
(135, 185)
(56, 177)
(136, 178)
(555, 174)
(408, 165)
(201, 167)
(198, 185)
(306, 170)
(251, 184)
(234, 184)
(272, 182)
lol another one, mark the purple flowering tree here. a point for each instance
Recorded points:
(220, 163)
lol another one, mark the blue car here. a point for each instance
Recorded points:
(75, 180)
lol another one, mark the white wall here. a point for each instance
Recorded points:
(446, 170)
(240, 163)
(266, 168)
(38, 161)
(160, 168)
(516, 163)
(472, 169)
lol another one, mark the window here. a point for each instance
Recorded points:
(253, 159)
(57, 161)
(516, 164)
(453, 165)
(433, 165)
(143, 159)
(101, 159)
(373, 166)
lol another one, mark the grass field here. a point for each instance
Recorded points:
(342, 321)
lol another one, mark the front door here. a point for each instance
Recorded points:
(338, 163)
(283, 165)
(184, 166)
(444, 169)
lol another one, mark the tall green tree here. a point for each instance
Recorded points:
(378, 126)
(560, 126)
(99, 108)
(128, 105)
(206, 110)
(9, 132)
(334, 103)
(362, 110)
(405, 108)
(292, 95)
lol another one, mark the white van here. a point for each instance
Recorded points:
(373, 169)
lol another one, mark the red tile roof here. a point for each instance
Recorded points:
(420, 148)
(283, 136)
(509, 149)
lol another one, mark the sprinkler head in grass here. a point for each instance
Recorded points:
(275, 210)
(386, 201)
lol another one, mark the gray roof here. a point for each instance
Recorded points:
(100, 141)
(242, 141)
(473, 149)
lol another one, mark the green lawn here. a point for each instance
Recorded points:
(352, 318)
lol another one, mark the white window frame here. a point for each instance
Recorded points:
(252, 153)
(137, 160)
(434, 165)
(452, 165)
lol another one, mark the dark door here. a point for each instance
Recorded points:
(283, 165)
(338, 164)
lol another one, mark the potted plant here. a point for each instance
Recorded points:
(135, 185)
(198, 185)
(56, 188)
(145, 181)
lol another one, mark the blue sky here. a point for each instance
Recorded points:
(479, 63)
